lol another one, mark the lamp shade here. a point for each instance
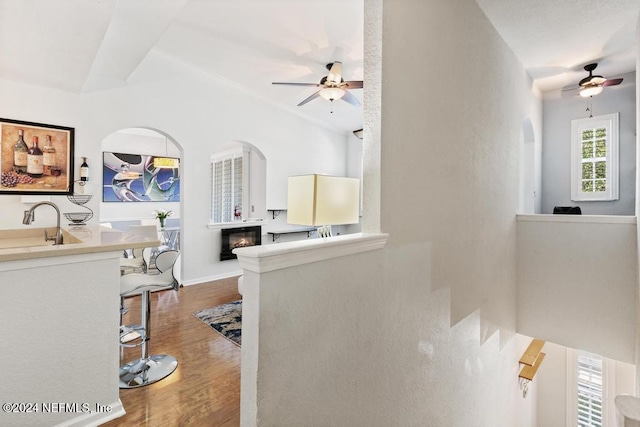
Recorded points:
(322, 200)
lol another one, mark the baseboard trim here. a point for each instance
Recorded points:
(211, 278)
(96, 418)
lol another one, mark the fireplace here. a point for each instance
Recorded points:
(238, 237)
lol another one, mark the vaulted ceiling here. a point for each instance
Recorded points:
(91, 45)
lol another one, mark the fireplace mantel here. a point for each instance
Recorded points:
(246, 223)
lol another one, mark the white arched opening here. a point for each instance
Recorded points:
(254, 192)
(133, 187)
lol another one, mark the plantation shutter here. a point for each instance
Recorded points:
(226, 200)
(590, 391)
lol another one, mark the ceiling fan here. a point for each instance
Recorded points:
(593, 84)
(332, 86)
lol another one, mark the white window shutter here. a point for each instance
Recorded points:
(590, 390)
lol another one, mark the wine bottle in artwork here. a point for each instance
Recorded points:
(84, 170)
(35, 166)
(20, 154)
(49, 156)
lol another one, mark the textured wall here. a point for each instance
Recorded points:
(454, 99)
(60, 340)
(422, 331)
(577, 283)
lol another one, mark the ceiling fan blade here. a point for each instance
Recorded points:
(348, 97)
(612, 82)
(569, 92)
(352, 84)
(335, 73)
(310, 98)
(296, 84)
(570, 87)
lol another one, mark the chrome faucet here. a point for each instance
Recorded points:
(29, 217)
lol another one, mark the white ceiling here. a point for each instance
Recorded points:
(555, 39)
(89, 45)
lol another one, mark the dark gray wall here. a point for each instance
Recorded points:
(556, 147)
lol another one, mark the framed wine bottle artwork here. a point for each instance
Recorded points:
(35, 158)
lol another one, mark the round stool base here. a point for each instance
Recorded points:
(141, 372)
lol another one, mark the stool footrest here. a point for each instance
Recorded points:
(132, 336)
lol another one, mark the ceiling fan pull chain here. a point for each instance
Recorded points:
(590, 107)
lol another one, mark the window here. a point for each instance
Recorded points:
(589, 389)
(594, 158)
(229, 175)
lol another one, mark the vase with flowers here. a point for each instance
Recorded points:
(162, 216)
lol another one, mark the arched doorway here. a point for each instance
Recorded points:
(140, 177)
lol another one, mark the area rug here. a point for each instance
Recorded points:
(226, 319)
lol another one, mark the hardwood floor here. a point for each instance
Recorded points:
(205, 388)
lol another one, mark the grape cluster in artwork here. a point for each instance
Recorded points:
(11, 179)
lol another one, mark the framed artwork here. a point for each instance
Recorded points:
(140, 178)
(35, 158)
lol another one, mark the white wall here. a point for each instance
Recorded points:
(577, 282)
(201, 115)
(347, 346)
(422, 331)
(60, 335)
(452, 150)
(556, 152)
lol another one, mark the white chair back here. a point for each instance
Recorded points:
(177, 272)
(137, 252)
(146, 256)
(165, 260)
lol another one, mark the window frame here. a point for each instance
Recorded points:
(611, 122)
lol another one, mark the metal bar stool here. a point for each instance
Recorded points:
(148, 369)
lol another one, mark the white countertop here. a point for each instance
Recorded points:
(28, 243)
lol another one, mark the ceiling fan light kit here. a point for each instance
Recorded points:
(592, 84)
(590, 91)
(332, 93)
(332, 86)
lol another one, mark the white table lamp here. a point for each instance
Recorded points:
(321, 200)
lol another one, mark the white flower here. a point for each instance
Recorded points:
(161, 214)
